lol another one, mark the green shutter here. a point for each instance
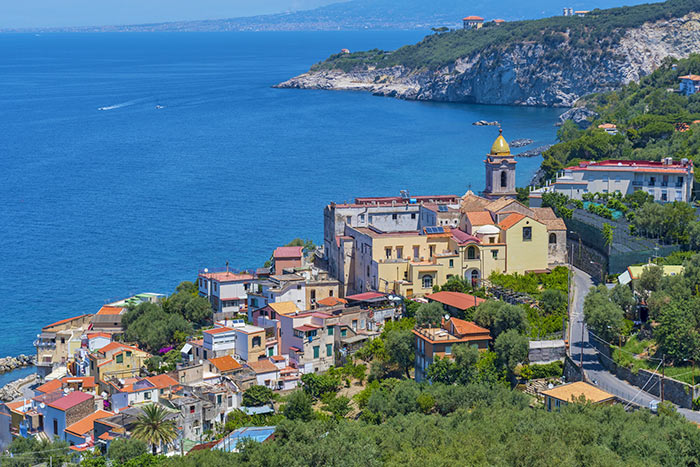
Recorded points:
(329, 350)
(330, 331)
(315, 351)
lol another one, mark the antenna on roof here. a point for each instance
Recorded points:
(226, 267)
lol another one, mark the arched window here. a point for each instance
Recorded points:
(471, 252)
(427, 282)
(504, 179)
(552, 239)
(475, 277)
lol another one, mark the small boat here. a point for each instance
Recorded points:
(158, 106)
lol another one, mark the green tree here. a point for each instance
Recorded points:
(123, 449)
(604, 317)
(608, 231)
(443, 370)
(623, 297)
(339, 406)
(399, 345)
(316, 385)
(512, 349)
(256, 396)
(677, 332)
(153, 427)
(553, 301)
(298, 406)
(429, 315)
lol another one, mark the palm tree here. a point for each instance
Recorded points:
(152, 427)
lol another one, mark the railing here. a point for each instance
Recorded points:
(664, 183)
(637, 183)
(40, 343)
(679, 184)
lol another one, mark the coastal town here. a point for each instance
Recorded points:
(314, 310)
(548, 314)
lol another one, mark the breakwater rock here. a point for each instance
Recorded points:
(534, 152)
(519, 143)
(12, 363)
(13, 390)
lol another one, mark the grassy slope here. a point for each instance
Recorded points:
(595, 32)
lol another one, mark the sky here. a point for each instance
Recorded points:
(63, 13)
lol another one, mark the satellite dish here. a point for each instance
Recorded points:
(206, 270)
(42, 405)
(447, 317)
(550, 386)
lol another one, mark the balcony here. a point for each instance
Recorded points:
(664, 184)
(44, 344)
(652, 184)
(679, 184)
(637, 183)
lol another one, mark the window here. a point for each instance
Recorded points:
(330, 293)
(664, 196)
(394, 216)
(552, 239)
(427, 282)
(448, 350)
(128, 353)
(362, 217)
(367, 270)
(55, 427)
(504, 179)
(63, 340)
(191, 408)
(527, 234)
(256, 341)
(343, 332)
(315, 351)
(205, 355)
(416, 252)
(348, 220)
(399, 252)
(387, 252)
(147, 395)
(330, 330)
(413, 215)
(494, 253)
(652, 181)
(120, 358)
(329, 350)
(452, 263)
(492, 239)
(354, 325)
(471, 252)
(432, 250)
(218, 399)
(313, 295)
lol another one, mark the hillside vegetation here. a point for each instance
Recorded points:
(596, 32)
(652, 121)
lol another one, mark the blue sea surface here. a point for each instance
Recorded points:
(100, 204)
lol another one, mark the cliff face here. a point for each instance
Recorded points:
(533, 74)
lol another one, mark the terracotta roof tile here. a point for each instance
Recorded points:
(479, 217)
(284, 308)
(87, 424)
(262, 366)
(288, 252)
(64, 321)
(50, 386)
(458, 300)
(510, 221)
(218, 330)
(467, 328)
(332, 301)
(162, 381)
(226, 363)
(110, 310)
(70, 400)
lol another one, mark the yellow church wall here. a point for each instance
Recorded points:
(526, 255)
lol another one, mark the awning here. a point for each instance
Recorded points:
(187, 348)
(353, 339)
(624, 278)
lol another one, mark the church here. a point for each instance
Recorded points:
(407, 244)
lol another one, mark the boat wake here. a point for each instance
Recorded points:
(122, 105)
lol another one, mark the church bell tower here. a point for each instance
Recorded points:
(500, 170)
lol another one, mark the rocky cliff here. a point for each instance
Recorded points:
(534, 73)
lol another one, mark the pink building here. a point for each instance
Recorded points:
(287, 257)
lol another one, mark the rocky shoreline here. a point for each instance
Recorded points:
(12, 363)
(528, 74)
(13, 390)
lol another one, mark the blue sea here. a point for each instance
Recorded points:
(101, 204)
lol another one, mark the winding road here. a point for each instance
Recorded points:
(594, 372)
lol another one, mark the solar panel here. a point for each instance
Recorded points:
(434, 230)
(442, 208)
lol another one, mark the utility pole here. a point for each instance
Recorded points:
(663, 375)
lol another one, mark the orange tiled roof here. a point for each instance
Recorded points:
(467, 328)
(162, 381)
(64, 321)
(92, 335)
(226, 363)
(511, 220)
(331, 301)
(262, 366)
(458, 300)
(87, 424)
(110, 310)
(479, 217)
(690, 77)
(607, 126)
(50, 386)
(86, 381)
(118, 345)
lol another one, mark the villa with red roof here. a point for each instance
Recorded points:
(287, 257)
(65, 411)
(472, 22)
(59, 341)
(690, 84)
(666, 180)
(116, 360)
(455, 303)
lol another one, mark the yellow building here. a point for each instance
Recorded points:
(116, 360)
(471, 240)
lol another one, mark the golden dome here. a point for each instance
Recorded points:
(500, 146)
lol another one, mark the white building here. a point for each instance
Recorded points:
(219, 342)
(278, 288)
(226, 291)
(666, 180)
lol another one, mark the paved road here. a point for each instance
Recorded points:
(595, 372)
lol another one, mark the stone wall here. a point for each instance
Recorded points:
(572, 372)
(546, 351)
(675, 391)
